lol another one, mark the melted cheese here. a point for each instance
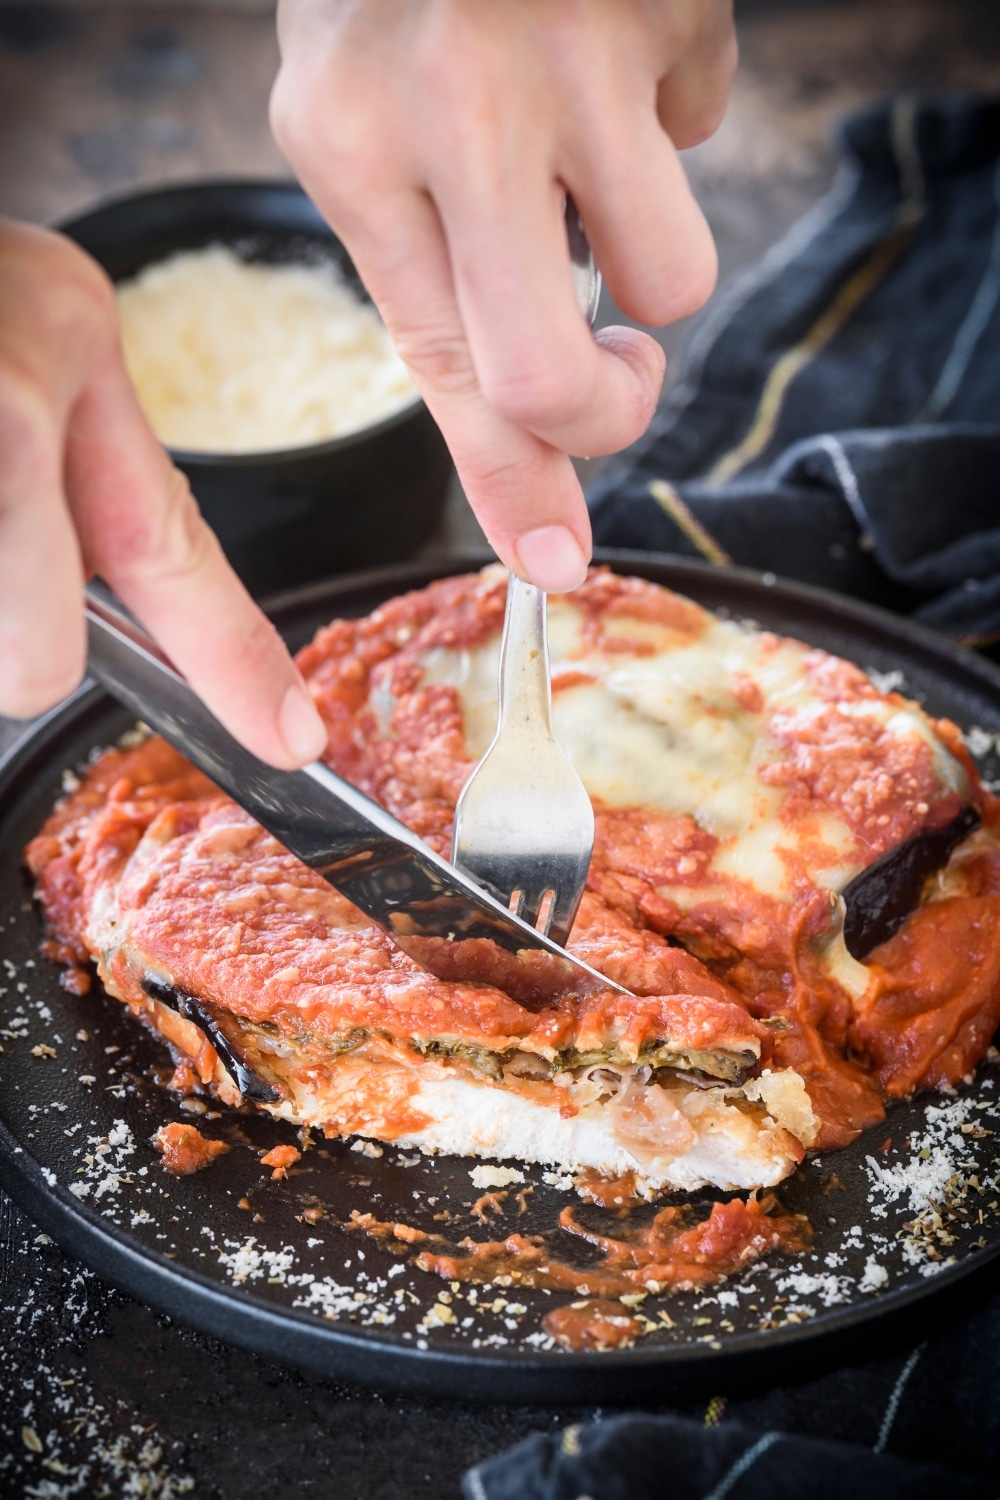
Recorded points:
(722, 1146)
(662, 726)
(232, 357)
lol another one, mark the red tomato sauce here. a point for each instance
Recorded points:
(595, 1324)
(185, 1150)
(933, 998)
(673, 1252)
(916, 1027)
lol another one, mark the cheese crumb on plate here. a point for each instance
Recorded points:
(495, 1177)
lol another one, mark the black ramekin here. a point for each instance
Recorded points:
(289, 516)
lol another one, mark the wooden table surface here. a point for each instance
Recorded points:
(96, 99)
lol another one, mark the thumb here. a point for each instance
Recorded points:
(141, 531)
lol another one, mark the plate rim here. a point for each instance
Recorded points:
(378, 1357)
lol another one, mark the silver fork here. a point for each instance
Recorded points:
(524, 824)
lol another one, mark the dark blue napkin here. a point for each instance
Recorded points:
(896, 1423)
(668, 1458)
(837, 418)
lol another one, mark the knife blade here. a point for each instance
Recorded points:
(432, 911)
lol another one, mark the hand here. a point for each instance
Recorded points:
(438, 137)
(86, 488)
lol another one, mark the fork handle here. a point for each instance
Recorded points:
(525, 688)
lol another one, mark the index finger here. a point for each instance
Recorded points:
(535, 359)
(523, 490)
(141, 530)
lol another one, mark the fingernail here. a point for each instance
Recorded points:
(551, 558)
(302, 729)
(640, 351)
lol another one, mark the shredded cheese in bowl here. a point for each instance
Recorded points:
(231, 356)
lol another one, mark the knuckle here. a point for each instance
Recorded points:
(693, 107)
(259, 643)
(66, 295)
(25, 694)
(164, 546)
(26, 425)
(698, 125)
(679, 290)
(336, 149)
(281, 110)
(438, 358)
(698, 286)
(728, 61)
(535, 395)
(289, 112)
(94, 293)
(79, 293)
(496, 481)
(711, 36)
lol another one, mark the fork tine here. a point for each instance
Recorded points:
(531, 906)
(562, 913)
(524, 822)
(549, 912)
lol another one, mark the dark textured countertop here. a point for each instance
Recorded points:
(99, 1395)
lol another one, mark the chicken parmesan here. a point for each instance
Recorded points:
(795, 875)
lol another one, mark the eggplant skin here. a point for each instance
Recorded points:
(879, 900)
(252, 1087)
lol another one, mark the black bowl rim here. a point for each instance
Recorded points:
(207, 458)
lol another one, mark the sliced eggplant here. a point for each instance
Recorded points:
(879, 900)
(252, 1087)
(729, 1067)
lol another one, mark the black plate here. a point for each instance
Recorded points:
(324, 1297)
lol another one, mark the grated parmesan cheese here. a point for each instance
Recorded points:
(495, 1177)
(229, 356)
